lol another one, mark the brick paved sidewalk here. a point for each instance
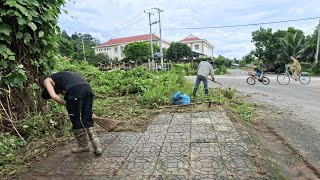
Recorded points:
(205, 145)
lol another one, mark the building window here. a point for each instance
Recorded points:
(196, 47)
(105, 49)
(115, 49)
(121, 51)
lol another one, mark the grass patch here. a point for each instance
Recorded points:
(243, 109)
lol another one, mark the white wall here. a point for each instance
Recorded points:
(110, 50)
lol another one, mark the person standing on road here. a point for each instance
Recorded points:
(204, 70)
(78, 99)
(295, 67)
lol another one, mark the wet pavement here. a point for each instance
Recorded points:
(203, 145)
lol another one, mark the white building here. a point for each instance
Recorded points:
(200, 46)
(114, 47)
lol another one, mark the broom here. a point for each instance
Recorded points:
(107, 124)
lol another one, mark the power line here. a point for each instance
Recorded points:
(311, 29)
(120, 27)
(242, 25)
(127, 26)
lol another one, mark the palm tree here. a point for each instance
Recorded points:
(292, 45)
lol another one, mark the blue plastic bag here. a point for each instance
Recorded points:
(178, 98)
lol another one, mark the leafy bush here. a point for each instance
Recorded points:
(228, 92)
(316, 68)
(151, 87)
(8, 143)
(41, 126)
(221, 70)
(185, 68)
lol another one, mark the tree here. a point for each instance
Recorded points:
(72, 47)
(28, 51)
(178, 51)
(291, 44)
(267, 45)
(65, 44)
(220, 61)
(308, 54)
(271, 47)
(249, 59)
(137, 51)
(100, 58)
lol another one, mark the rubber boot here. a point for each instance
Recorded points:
(194, 92)
(82, 139)
(206, 91)
(94, 140)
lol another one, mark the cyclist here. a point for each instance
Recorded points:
(295, 68)
(256, 72)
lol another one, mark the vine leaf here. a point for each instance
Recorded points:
(5, 29)
(12, 58)
(32, 26)
(41, 33)
(19, 35)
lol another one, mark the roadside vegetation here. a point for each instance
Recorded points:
(133, 97)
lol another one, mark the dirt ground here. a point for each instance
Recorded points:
(281, 159)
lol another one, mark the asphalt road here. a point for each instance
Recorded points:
(301, 129)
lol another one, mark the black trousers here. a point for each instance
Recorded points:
(79, 101)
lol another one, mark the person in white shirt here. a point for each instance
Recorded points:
(204, 70)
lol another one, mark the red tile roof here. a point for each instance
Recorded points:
(190, 39)
(144, 37)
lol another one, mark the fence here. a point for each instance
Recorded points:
(128, 66)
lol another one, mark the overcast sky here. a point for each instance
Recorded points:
(100, 18)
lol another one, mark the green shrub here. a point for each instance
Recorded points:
(221, 70)
(316, 68)
(40, 126)
(8, 143)
(228, 92)
(305, 66)
(186, 68)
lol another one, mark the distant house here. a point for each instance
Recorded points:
(200, 47)
(114, 47)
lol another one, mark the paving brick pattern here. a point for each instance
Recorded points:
(204, 145)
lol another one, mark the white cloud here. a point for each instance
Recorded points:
(296, 10)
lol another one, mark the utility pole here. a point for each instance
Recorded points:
(160, 43)
(318, 42)
(151, 43)
(84, 52)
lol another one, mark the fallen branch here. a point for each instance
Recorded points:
(13, 125)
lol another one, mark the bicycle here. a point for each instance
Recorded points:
(251, 80)
(284, 78)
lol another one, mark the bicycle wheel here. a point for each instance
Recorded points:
(265, 80)
(251, 81)
(283, 79)
(304, 78)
